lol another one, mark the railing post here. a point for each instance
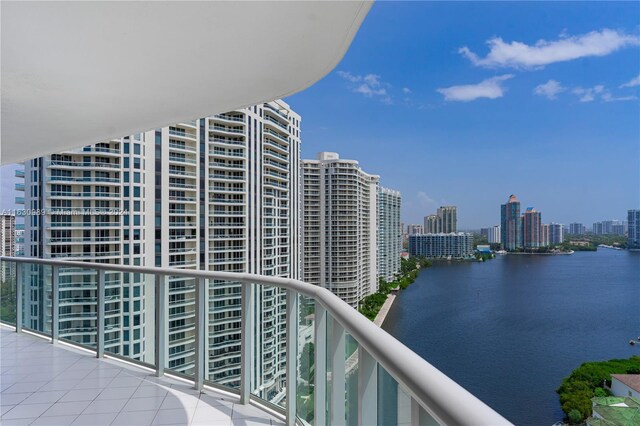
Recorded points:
(201, 331)
(100, 314)
(161, 323)
(55, 308)
(246, 320)
(292, 356)
(337, 409)
(320, 361)
(19, 274)
(367, 388)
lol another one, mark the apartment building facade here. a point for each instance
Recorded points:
(219, 193)
(389, 233)
(339, 229)
(442, 246)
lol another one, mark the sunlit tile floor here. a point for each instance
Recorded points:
(45, 384)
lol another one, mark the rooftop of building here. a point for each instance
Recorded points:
(631, 380)
(609, 411)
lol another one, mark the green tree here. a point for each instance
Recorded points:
(575, 417)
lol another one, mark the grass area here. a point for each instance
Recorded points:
(409, 268)
(587, 381)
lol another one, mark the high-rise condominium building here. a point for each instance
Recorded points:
(511, 224)
(339, 227)
(532, 229)
(389, 233)
(7, 244)
(448, 218)
(219, 193)
(556, 233)
(577, 229)
(633, 220)
(492, 234)
(544, 235)
(415, 229)
(442, 246)
(432, 224)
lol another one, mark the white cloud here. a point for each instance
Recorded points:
(632, 83)
(490, 88)
(550, 89)
(406, 90)
(590, 94)
(368, 91)
(521, 55)
(349, 77)
(369, 85)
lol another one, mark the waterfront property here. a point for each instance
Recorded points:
(633, 219)
(511, 224)
(442, 246)
(389, 233)
(626, 385)
(339, 229)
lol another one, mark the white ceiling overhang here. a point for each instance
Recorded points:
(76, 73)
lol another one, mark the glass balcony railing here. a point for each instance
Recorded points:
(290, 347)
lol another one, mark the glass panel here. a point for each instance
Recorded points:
(425, 419)
(404, 407)
(78, 303)
(387, 398)
(181, 329)
(8, 292)
(130, 315)
(306, 359)
(351, 371)
(268, 361)
(224, 328)
(36, 293)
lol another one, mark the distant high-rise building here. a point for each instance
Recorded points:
(618, 228)
(432, 224)
(415, 229)
(511, 224)
(389, 233)
(492, 234)
(454, 245)
(633, 220)
(577, 229)
(544, 235)
(340, 227)
(556, 233)
(7, 244)
(448, 218)
(531, 228)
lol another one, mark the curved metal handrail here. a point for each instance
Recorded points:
(444, 399)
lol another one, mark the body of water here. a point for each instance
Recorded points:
(510, 329)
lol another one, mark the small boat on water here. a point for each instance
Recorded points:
(632, 342)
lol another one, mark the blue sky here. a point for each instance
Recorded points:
(465, 103)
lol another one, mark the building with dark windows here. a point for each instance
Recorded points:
(577, 229)
(442, 246)
(532, 229)
(448, 218)
(633, 220)
(511, 224)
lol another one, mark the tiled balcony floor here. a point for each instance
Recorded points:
(45, 384)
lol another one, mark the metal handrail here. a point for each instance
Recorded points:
(445, 400)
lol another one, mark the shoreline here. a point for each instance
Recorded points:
(566, 253)
(384, 310)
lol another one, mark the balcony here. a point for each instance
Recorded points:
(355, 369)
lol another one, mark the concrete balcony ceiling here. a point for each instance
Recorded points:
(76, 73)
